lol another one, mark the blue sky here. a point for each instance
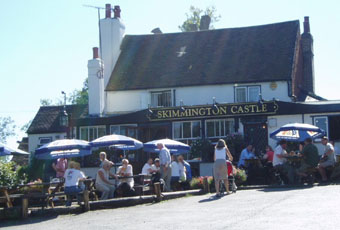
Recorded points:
(45, 45)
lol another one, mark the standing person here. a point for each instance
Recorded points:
(165, 161)
(221, 155)
(60, 167)
(187, 167)
(327, 158)
(102, 181)
(175, 173)
(247, 153)
(72, 177)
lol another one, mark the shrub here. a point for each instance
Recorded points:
(201, 148)
(197, 182)
(240, 176)
(11, 175)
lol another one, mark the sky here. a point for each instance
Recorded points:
(45, 45)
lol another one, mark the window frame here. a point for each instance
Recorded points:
(160, 93)
(88, 131)
(327, 123)
(220, 127)
(191, 130)
(126, 125)
(247, 87)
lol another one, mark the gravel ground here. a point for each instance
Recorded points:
(300, 208)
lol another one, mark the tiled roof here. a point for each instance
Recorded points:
(47, 118)
(221, 56)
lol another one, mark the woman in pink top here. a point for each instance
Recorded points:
(60, 167)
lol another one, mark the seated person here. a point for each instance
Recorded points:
(327, 158)
(72, 177)
(247, 153)
(149, 168)
(125, 187)
(280, 164)
(310, 156)
(102, 181)
(156, 176)
(269, 154)
(336, 151)
(102, 158)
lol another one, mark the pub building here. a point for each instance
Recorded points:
(195, 85)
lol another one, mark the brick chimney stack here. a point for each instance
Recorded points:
(306, 28)
(95, 52)
(107, 10)
(205, 22)
(116, 12)
(308, 57)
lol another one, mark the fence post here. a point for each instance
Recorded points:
(157, 186)
(24, 207)
(206, 187)
(86, 200)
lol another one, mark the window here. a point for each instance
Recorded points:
(187, 130)
(322, 123)
(43, 141)
(247, 94)
(219, 128)
(240, 94)
(126, 130)
(161, 99)
(90, 133)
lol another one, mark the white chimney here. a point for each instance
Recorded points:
(112, 32)
(96, 84)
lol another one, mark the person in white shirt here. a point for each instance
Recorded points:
(103, 183)
(175, 173)
(280, 162)
(149, 168)
(72, 177)
(327, 159)
(126, 171)
(221, 155)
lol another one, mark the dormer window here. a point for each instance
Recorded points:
(161, 99)
(247, 93)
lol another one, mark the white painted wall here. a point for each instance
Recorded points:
(134, 100)
(33, 139)
(96, 87)
(112, 31)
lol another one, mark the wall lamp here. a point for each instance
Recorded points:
(214, 106)
(182, 105)
(150, 112)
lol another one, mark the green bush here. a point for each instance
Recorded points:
(201, 149)
(11, 175)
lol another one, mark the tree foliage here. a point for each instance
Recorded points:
(79, 97)
(193, 21)
(7, 128)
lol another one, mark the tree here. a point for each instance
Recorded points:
(193, 21)
(7, 128)
(80, 97)
(46, 102)
(25, 127)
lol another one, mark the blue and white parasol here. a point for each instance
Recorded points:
(117, 141)
(297, 132)
(175, 147)
(5, 150)
(64, 148)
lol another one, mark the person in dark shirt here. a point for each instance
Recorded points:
(310, 155)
